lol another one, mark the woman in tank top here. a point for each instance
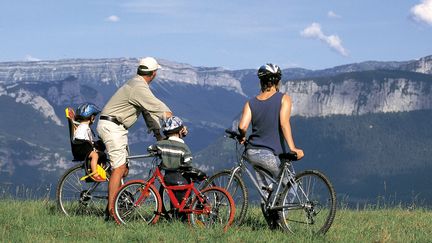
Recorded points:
(269, 112)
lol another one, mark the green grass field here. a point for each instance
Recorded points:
(39, 221)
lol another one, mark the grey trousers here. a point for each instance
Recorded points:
(263, 159)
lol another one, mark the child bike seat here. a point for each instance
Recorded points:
(79, 148)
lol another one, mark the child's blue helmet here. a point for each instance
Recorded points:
(172, 125)
(86, 110)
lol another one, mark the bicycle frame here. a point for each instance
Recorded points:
(242, 167)
(88, 193)
(189, 188)
(96, 184)
(285, 172)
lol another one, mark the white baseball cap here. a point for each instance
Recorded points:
(150, 63)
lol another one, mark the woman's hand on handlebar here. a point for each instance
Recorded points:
(241, 139)
(236, 135)
(299, 152)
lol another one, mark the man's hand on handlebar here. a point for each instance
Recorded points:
(184, 131)
(157, 135)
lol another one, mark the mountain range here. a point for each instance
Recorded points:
(332, 108)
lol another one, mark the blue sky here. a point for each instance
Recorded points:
(235, 34)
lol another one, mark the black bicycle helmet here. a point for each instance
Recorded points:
(86, 110)
(270, 73)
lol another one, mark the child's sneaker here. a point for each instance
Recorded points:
(99, 175)
(97, 178)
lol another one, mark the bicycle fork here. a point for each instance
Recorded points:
(233, 172)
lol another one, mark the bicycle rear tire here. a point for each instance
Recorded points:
(77, 197)
(237, 190)
(311, 205)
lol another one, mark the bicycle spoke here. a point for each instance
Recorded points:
(79, 197)
(131, 206)
(221, 209)
(237, 190)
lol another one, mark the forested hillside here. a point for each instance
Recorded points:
(366, 157)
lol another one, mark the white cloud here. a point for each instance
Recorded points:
(29, 58)
(333, 15)
(113, 18)
(422, 12)
(333, 41)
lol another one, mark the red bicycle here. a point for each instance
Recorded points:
(139, 200)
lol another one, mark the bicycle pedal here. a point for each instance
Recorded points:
(268, 189)
(200, 223)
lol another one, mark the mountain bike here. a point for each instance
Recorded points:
(303, 202)
(140, 201)
(78, 194)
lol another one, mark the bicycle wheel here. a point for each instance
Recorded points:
(309, 205)
(76, 197)
(215, 209)
(133, 204)
(237, 190)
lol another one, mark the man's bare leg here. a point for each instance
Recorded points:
(114, 184)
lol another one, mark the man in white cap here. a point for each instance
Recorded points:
(121, 112)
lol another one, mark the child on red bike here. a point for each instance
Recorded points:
(176, 155)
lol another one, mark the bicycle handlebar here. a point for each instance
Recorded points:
(232, 134)
(151, 153)
(291, 156)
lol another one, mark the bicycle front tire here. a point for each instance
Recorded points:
(132, 203)
(237, 190)
(309, 206)
(217, 209)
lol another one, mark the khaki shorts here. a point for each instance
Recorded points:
(115, 138)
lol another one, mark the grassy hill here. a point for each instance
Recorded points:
(38, 221)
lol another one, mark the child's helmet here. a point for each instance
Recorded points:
(86, 110)
(270, 72)
(172, 125)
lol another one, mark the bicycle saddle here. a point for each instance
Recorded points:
(194, 174)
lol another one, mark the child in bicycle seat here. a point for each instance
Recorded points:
(85, 115)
